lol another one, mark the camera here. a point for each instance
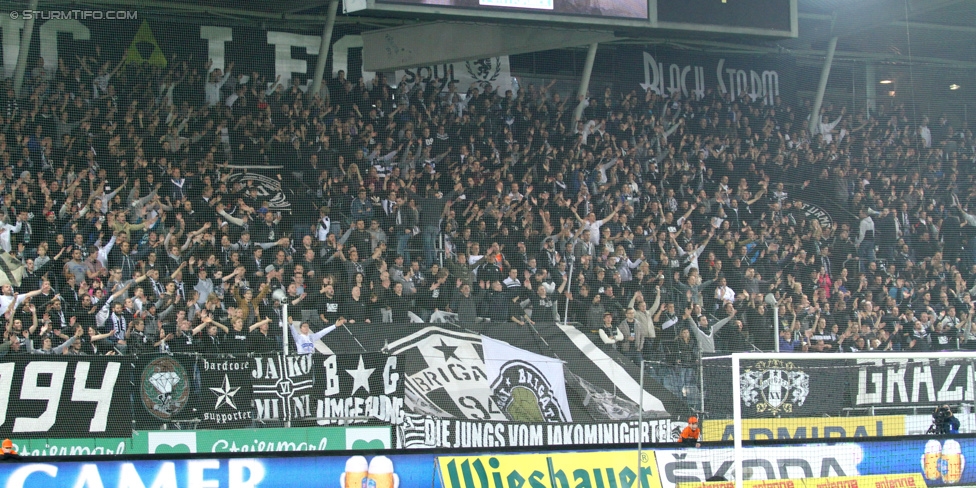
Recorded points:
(943, 422)
(941, 414)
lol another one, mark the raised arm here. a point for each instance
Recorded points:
(320, 334)
(258, 324)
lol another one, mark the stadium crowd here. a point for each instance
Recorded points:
(667, 227)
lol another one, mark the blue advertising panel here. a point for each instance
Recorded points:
(941, 461)
(336, 471)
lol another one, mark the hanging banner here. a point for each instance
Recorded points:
(461, 375)
(138, 41)
(163, 386)
(667, 71)
(515, 375)
(358, 389)
(283, 387)
(913, 382)
(778, 388)
(63, 396)
(227, 393)
(488, 74)
(425, 432)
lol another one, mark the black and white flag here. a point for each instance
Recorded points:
(226, 391)
(283, 387)
(358, 389)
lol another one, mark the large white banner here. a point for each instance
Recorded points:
(527, 386)
(489, 72)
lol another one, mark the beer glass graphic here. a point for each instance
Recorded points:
(953, 462)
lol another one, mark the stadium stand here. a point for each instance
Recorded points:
(435, 202)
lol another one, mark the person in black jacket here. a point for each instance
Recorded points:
(496, 303)
(399, 304)
(356, 308)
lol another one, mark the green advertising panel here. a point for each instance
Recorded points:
(261, 440)
(236, 440)
(73, 447)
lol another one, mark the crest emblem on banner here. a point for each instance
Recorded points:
(484, 71)
(524, 393)
(774, 386)
(164, 390)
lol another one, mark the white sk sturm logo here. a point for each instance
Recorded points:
(525, 395)
(484, 71)
(774, 386)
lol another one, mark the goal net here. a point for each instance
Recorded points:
(843, 399)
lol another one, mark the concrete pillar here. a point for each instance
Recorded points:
(25, 42)
(324, 48)
(585, 82)
(871, 86)
(822, 87)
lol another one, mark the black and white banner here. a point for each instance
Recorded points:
(226, 391)
(283, 387)
(778, 388)
(164, 389)
(489, 72)
(667, 71)
(358, 389)
(802, 388)
(464, 375)
(425, 432)
(60, 396)
(913, 382)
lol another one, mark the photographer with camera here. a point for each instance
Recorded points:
(944, 422)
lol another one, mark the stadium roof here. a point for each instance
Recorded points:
(887, 31)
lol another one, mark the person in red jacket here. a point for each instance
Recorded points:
(691, 434)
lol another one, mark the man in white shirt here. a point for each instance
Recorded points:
(925, 133)
(826, 129)
(865, 239)
(723, 294)
(215, 82)
(6, 229)
(591, 224)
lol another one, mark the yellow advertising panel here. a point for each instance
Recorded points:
(807, 428)
(909, 480)
(621, 469)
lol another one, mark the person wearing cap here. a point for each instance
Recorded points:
(691, 434)
(8, 450)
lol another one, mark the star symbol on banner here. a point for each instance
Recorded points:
(225, 394)
(448, 351)
(360, 377)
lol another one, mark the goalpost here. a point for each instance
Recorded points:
(772, 378)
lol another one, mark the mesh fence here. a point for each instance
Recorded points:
(467, 254)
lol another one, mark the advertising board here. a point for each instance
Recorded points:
(907, 480)
(939, 462)
(343, 471)
(808, 428)
(170, 442)
(608, 468)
